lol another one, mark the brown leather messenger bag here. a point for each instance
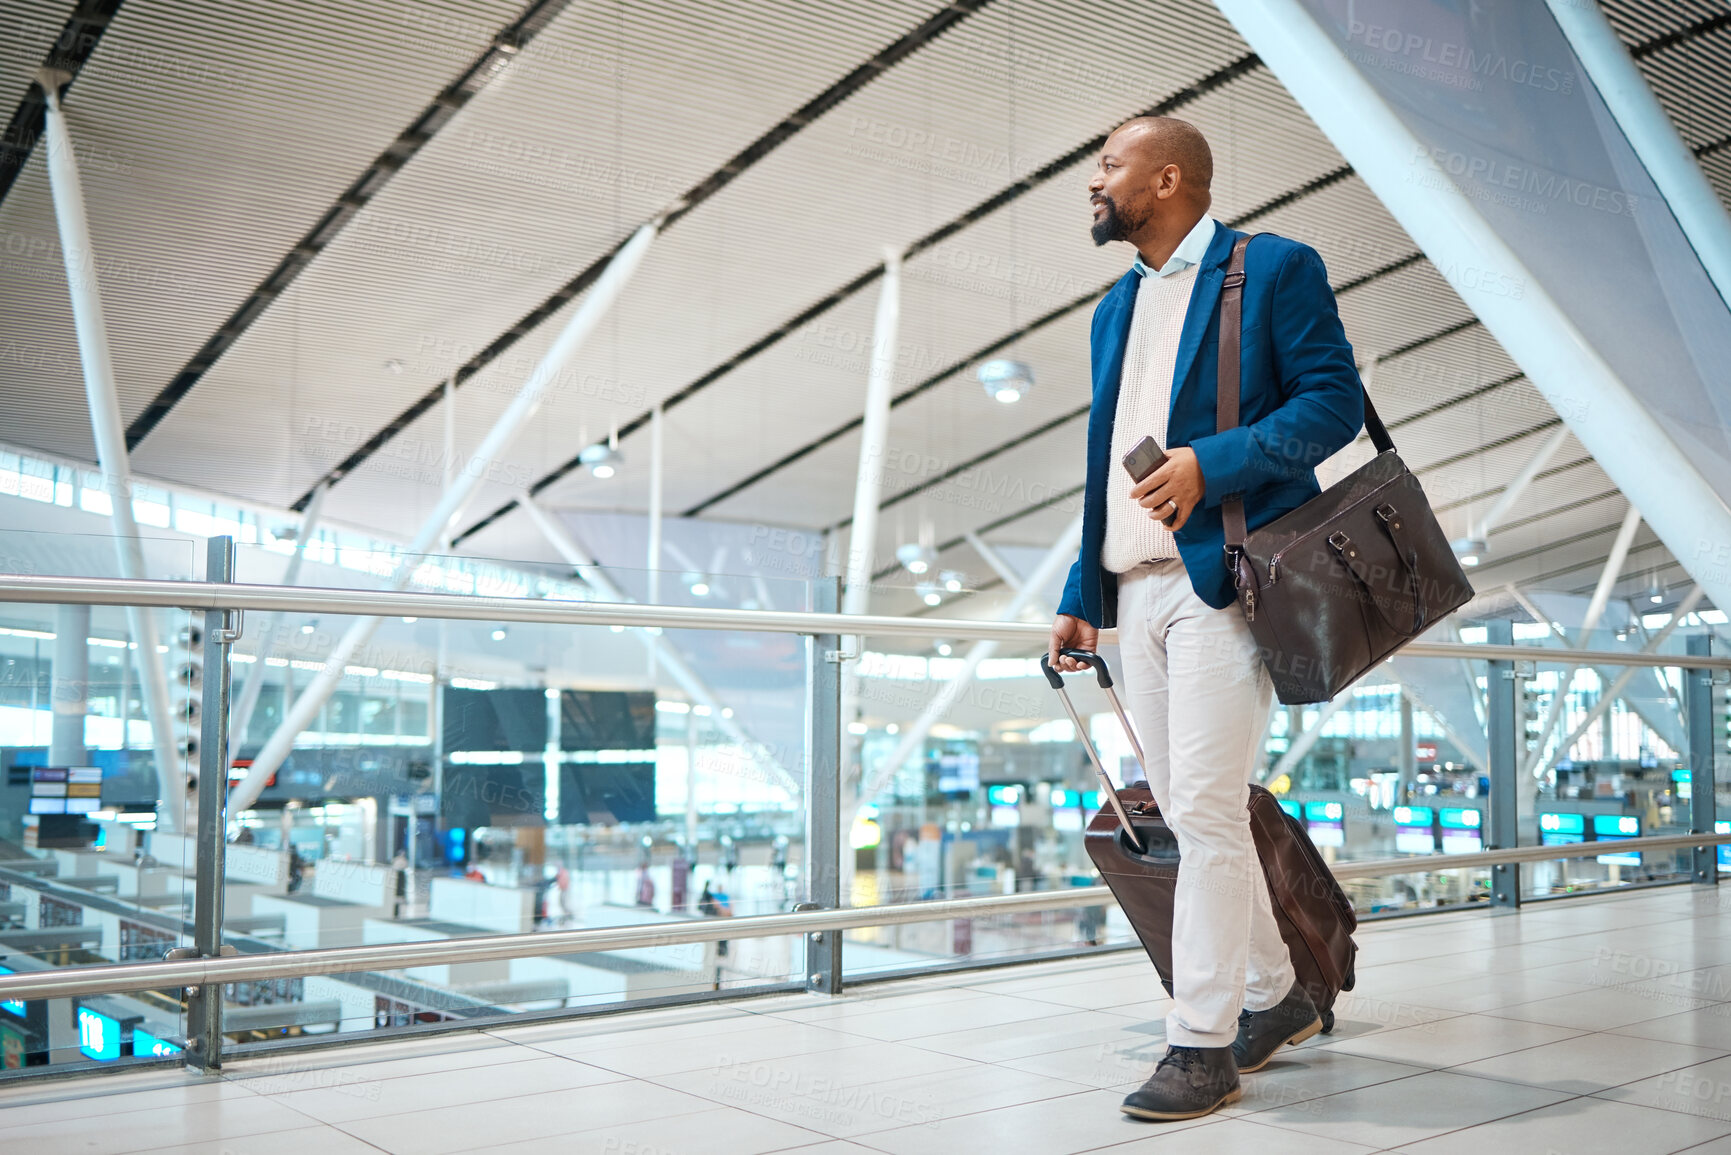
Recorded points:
(1335, 586)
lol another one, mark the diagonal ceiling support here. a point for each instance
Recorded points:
(940, 22)
(445, 106)
(1220, 77)
(68, 54)
(1611, 419)
(1327, 180)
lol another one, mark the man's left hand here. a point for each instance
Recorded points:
(1173, 490)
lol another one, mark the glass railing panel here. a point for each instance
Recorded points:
(470, 778)
(92, 867)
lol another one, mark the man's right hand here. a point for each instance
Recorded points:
(1070, 633)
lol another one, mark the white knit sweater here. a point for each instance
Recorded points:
(1144, 401)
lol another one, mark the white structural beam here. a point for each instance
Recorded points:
(492, 448)
(994, 559)
(1517, 488)
(84, 287)
(1615, 690)
(1609, 575)
(874, 438)
(868, 487)
(1651, 134)
(562, 539)
(240, 715)
(1063, 552)
(1605, 415)
(652, 562)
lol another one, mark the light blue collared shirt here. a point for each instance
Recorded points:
(1190, 250)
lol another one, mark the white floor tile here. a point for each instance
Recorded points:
(1703, 1090)
(1406, 1110)
(719, 1131)
(1085, 1121)
(756, 1041)
(1446, 1042)
(1600, 1008)
(1706, 1027)
(1579, 1127)
(894, 1022)
(470, 1126)
(99, 1101)
(316, 1140)
(102, 1133)
(1017, 1040)
(1589, 1063)
(1233, 1136)
(365, 1099)
(846, 1109)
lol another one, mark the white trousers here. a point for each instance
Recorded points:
(1198, 694)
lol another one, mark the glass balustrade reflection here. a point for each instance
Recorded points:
(88, 769)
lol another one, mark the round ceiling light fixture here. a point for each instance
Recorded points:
(917, 558)
(952, 580)
(602, 459)
(1006, 381)
(1469, 550)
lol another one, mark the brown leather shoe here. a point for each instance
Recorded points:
(1187, 1083)
(1262, 1033)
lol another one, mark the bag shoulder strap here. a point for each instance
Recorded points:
(1228, 382)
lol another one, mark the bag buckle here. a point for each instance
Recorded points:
(1233, 280)
(1389, 515)
(1342, 543)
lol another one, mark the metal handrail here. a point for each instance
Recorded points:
(140, 976)
(470, 607)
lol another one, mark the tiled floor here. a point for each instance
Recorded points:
(1599, 1024)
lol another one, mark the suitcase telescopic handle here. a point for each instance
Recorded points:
(1087, 658)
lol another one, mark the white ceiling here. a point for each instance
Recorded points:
(232, 127)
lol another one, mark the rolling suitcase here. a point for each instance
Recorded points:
(1137, 854)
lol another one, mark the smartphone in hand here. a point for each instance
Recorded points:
(1144, 458)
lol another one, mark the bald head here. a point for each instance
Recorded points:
(1152, 185)
(1166, 140)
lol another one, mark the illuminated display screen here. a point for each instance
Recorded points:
(1460, 829)
(12, 1006)
(1562, 829)
(1724, 851)
(1004, 795)
(1615, 828)
(1291, 808)
(145, 1043)
(48, 806)
(1412, 830)
(1091, 800)
(1063, 798)
(98, 1035)
(1325, 822)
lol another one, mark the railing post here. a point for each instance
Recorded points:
(1503, 734)
(1703, 782)
(823, 844)
(204, 1007)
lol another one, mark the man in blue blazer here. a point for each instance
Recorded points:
(1152, 564)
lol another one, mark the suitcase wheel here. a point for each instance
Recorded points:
(1328, 1022)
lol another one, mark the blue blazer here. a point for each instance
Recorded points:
(1300, 400)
